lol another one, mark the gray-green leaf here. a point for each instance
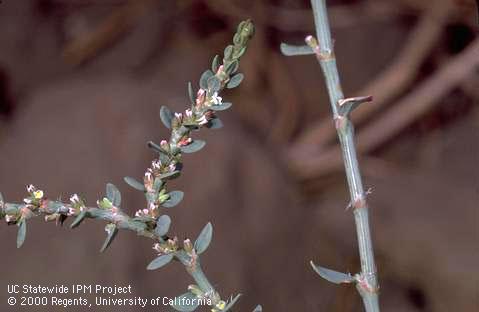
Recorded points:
(332, 276)
(162, 225)
(175, 198)
(160, 262)
(290, 50)
(135, 184)
(215, 123)
(194, 146)
(221, 107)
(166, 116)
(204, 239)
(258, 308)
(79, 219)
(235, 81)
(215, 64)
(112, 230)
(113, 194)
(169, 175)
(214, 84)
(191, 93)
(204, 79)
(22, 232)
(188, 297)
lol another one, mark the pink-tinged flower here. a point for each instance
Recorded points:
(200, 97)
(179, 117)
(220, 69)
(184, 141)
(148, 180)
(188, 113)
(142, 212)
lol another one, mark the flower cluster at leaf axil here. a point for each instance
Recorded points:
(149, 220)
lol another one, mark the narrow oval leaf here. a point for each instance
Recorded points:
(154, 146)
(235, 81)
(204, 79)
(166, 116)
(232, 67)
(215, 64)
(22, 232)
(191, 93)
(160, 262)
(79, 219)
(113, 194)
(291, 50)
(332, 276)
(163, 225)
(204, 239)
(112, 230)
(221, 107)
(188, 297)
(194, 146)
(135, 184)
(175, 198)
(215, 123)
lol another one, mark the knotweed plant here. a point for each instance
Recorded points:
(150, 221)
(322, 47)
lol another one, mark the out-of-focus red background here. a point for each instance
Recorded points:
(81, 84)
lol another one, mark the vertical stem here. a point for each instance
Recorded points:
(367, 283)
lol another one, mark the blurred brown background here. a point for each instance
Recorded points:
(82, 81)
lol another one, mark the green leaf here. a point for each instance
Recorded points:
(113, 194)
(235, 81)
(154, 146)
(22, 232)
(187, 297)
(258, 308)
(194, 146)
(191, 93)
(232, 67)
(175, 198)
(221, 107)
(231, 303)
(215, 64)
(169, 175)
(112, 230)
(332, 276)
(215, 123)
(228, 52)
(204, 79)
(160, 262)
(135, 184)
(214, 84)
(166, 116)
(79, 219)
(163, 225)
(204, 239)
(291, 50)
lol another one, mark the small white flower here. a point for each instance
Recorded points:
(172, 167)
(217, 100)
(138, 213)
(179, 115)
(203, 120)
(75, 199)
(156, 164)
(188, 113)
(30, 188)
(10, 218)
(146, 211)
(27, 200)
(71, 211)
